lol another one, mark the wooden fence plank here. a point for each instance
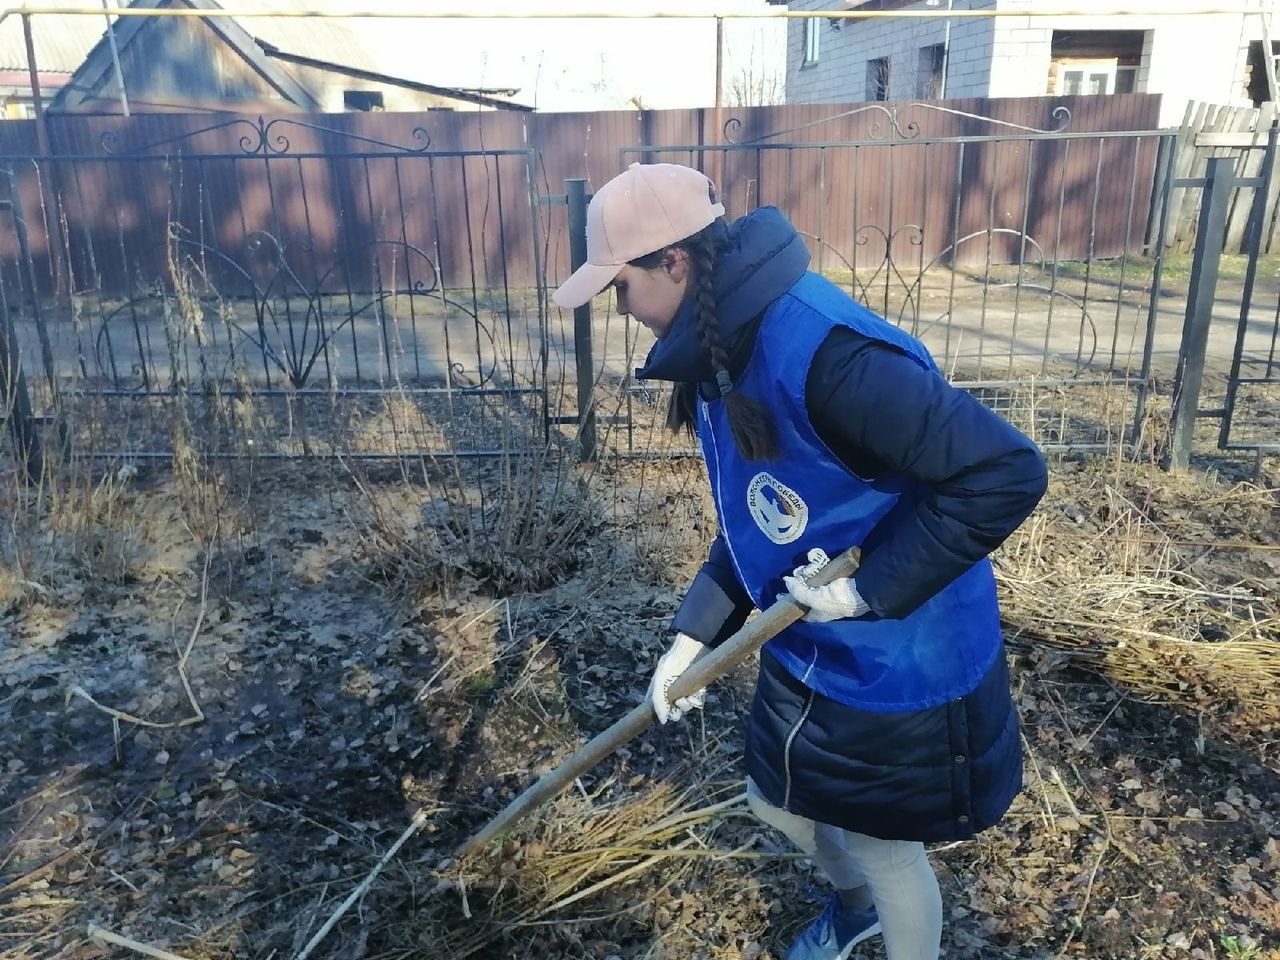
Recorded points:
(1271, 217)
(1216, 119)
(1192, 124)
(1239, 139)
(1251, 166)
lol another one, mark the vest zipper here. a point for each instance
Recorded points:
(786, 750)
(786, 747)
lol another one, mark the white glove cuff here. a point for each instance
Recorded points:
(684, 648)
(833, 601)
(847, 592)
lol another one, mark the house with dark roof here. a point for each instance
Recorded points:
(216, 64)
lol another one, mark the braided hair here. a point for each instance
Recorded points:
(748, 418)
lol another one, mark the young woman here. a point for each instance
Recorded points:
(883, 720)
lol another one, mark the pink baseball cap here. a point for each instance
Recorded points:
(643, 209)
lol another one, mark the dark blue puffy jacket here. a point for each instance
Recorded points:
(947, 771)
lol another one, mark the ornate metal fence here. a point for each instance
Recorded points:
(288, 288)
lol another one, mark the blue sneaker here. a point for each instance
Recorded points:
(835, 933)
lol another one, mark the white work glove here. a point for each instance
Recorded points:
(683, 651)
(835, 601)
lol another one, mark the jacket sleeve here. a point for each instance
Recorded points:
(715, 605)
(977, 478)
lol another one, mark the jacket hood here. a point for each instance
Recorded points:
(763, 257)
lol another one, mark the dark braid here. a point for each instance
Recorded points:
(682, 412)
(748, 419)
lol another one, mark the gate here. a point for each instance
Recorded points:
(1251, 414)
(1249, 418)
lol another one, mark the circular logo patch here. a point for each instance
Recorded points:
(777, 509)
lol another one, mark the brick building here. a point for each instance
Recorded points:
(1180, 55)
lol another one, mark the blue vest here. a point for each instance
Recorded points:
(772, 513)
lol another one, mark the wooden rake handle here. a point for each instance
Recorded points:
(711, 666)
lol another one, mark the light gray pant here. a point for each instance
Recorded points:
(902, 882)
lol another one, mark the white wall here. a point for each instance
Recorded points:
(1187, 57)
(1020, 55)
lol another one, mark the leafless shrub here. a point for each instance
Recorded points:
(519, 520)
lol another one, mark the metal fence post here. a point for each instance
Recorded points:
(576, 191)
(1210, 235)
(1255, 244)
(15, 402)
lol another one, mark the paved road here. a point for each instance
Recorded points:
(974, 333)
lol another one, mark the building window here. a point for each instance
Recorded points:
(1077, 78)
(931, 72)
(878, 79)
(811, 34)
(365, 100)
(1094, 78)
(1092, 62)
(1255, 76)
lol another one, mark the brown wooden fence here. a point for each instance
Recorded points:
(360, 201)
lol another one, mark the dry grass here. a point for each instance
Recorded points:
(515, 524)
(576, 865)
(664, 517)
(84, 522)
(1123, 601)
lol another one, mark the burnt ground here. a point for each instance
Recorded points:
(360, 647)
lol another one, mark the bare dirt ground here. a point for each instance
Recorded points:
(307, 655)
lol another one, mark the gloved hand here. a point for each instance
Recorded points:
(835, 601)
(683, 651)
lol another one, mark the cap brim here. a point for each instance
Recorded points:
(588, 280)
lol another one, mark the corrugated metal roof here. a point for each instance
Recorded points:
(61, 43)
(337, 41)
